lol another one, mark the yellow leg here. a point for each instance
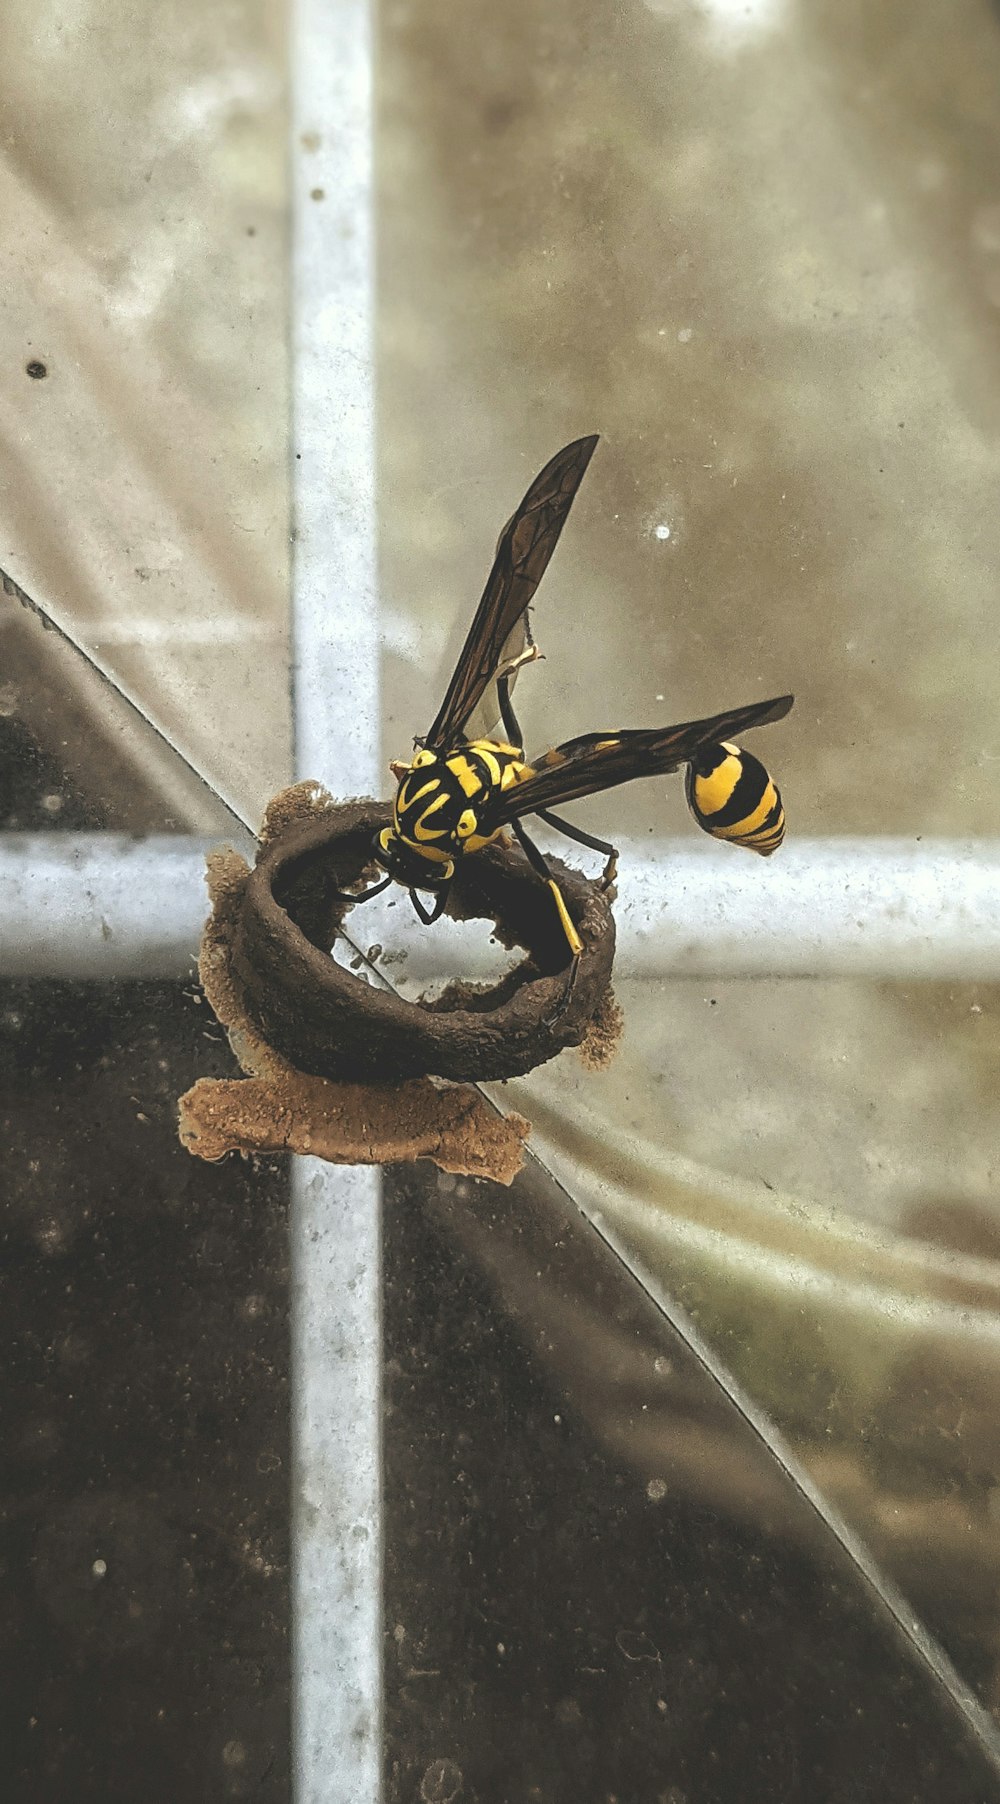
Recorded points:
(573, 939)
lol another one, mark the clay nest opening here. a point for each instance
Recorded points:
(330, 1023)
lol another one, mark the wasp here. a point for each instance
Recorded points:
(463, 787)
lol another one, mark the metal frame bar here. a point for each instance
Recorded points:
(105, 906)
(336, 1212)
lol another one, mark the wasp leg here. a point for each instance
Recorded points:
(364, 895)
(585, 839)
(507, 714)
(430, 915)
(573, 940)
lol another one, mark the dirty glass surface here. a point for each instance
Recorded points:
(755, 247)
(600, 1583)
(143, 1294)
(143, 302)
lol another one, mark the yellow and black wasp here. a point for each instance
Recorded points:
(460, 791)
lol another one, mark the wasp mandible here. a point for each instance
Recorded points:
(460, 791)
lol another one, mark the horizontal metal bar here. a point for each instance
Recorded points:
(877, 908)
(102, 906)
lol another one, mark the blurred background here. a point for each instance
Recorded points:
(143, 301)
(756, 247)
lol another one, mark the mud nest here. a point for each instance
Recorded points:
(330, 1023)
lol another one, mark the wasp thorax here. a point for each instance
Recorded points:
(443, 800)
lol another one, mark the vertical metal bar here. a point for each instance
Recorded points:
(335, 644)
(336, 1527)
(336, 1327)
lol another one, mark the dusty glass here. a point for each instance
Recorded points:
(143, 509)
(696, 1489)
(755, 247)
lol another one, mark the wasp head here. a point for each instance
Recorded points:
(412, 868)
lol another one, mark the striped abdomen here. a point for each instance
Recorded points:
(732, 797)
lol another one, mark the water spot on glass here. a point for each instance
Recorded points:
(568, 1711)
(441, 1782)
(656, 1490)
(636, 1645)
(51, 1235)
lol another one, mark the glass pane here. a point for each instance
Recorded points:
(842, 1256)
(144, 1306)
(756, 249)
(145, 462)
(600, 1583)
(144, 1293)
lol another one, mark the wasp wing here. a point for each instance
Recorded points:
(495, 641)
(486, 719)
(598, 761)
